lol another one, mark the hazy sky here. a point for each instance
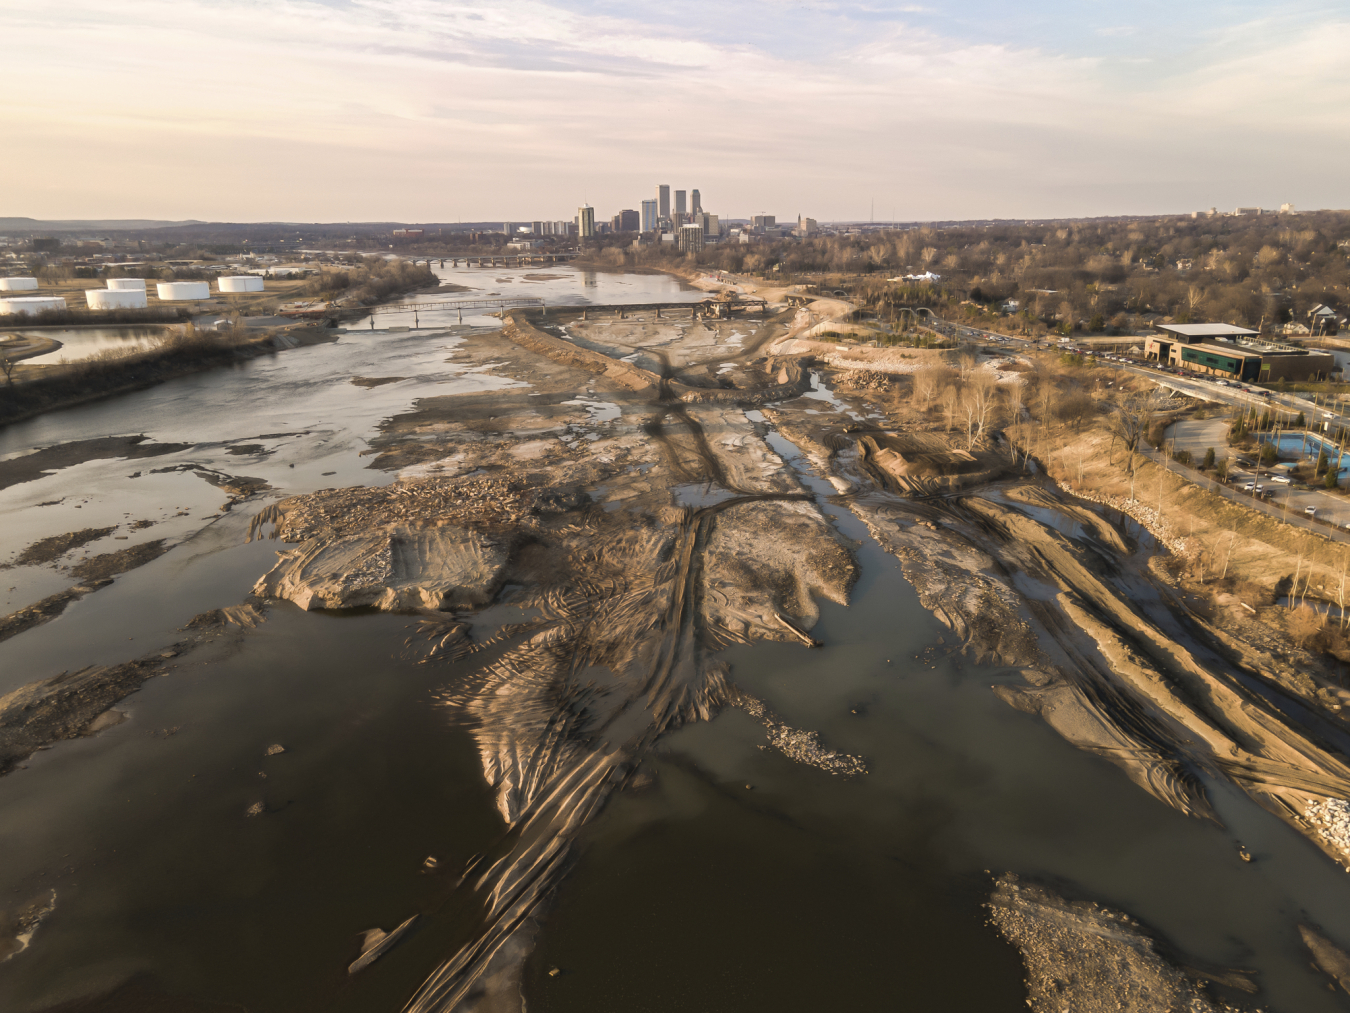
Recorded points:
(435, 110)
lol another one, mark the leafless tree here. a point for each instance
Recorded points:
(7, 367)
(1013, 392)
(951, 406)
(1131, 423)
(1304, 622)
(979, 396)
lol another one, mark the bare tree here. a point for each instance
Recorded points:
(927, 380)
(1303, 625)
(1014, 392)
(7, 367)
(1131, 423)
(951, 406)
(980, 397)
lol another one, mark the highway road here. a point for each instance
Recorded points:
(1332, 516)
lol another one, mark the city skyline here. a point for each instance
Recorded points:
(966, 112)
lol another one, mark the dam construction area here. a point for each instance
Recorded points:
(658, 650)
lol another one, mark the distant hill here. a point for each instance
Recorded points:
(84, 224)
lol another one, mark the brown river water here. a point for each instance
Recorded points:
(726, 879)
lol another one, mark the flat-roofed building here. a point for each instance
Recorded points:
(586, 222)
(1236, 352)
(691, 238)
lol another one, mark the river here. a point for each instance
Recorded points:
(734, 880)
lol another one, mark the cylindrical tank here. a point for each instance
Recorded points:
(115, 299)
(180, 291)
(18, 284)
(240, 283)
(31, 304)
(127, 284)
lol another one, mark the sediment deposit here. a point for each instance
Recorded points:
(1084, 957)
(624, 496)
(621, 488)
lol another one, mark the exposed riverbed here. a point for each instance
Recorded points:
(738, 860)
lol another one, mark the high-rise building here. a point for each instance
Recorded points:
(761, 222)
(691, 238)
(663, 200)
(680, 209)
(626, 221)
(695, 202)
(586, 222)
(650, 212)
(508, 227)
(711, 227)
(537, 228)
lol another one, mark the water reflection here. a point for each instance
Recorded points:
(79, 343)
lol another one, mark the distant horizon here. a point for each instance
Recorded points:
(399, 109)
(128, 224)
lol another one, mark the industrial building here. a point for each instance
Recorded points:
(18, 284)
(127, 284)
(30, 304)
(1236, 352)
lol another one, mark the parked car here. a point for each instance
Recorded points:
(1281, 479)
(1310, 511)
(1249, 487)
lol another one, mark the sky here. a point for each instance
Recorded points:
(443, 111)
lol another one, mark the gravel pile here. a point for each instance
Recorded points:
(1331, 819)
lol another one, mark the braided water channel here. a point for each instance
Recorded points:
(724, 877)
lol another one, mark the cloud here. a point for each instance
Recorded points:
(431, 110)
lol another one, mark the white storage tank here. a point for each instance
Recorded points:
(127, 284)
(18, 284)
(240, 283)
(181, 291)
(30, 304)
(115, 299)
